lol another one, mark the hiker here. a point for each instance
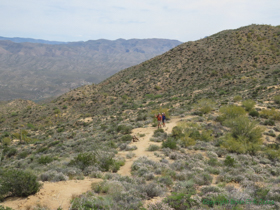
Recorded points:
(159, 119)
(163, 119)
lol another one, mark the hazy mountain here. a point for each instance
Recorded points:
(37, 71)
(30, 40)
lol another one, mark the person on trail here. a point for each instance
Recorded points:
(163, 119)
(159, 119)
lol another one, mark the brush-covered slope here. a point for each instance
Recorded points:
(37, 71)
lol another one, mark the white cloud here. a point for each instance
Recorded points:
(72, 20)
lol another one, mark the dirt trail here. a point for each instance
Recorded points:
(52, 195)
(144, 143)
(58, 194)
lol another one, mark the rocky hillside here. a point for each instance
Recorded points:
(37, 71)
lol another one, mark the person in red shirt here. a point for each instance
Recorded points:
(159, 119)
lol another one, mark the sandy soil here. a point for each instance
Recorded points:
(52, 195)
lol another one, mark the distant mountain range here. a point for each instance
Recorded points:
(30, 40)
(42, 70)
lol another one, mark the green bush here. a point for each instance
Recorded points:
(206, 135)
(269, 122)
(124, 129)
(229, 161)
(169, 143)
(23, 155)
(45, 160)
(127, 137)
(6, 141)
(177, 132)
(19, 183)
(277, 99)
(180, 201)
(245, 136)
(205, 105)
(237, 98)
(231, 111)
(84, 160)
(153, 147)
(248, 104)
(254, 113)
(270, 114)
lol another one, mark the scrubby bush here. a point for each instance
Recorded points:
(269, 122)
(277, 99)
(169, 143)
(248, 104)
(53, 176)
(84, 160)
(159, 206)
(270, 114)
(124, 129)
(180, 201)
(127, 137)
(19, 183)
(8, 208)
(237, 98)
(205, 105)
(229, 161)
(153, 147)
(6, 141)
(254, 113)
(231, 112)
(45, 159)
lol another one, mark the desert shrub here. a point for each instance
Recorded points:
(53, 176)
(6, 141)
(177, 132)
(269, 122)
(237, 98)
(278, 137)
(277, 99)
(45, 159)
(159, 206)
(124, 129)
(205, 105)
(206, 135)
(231, 112)
(152, 190)
(180, 201)
(229, 161)
(84, 160)
(11, 152)
(245, 136)
(203, 179)
(126, 137)
(130, 148)
(23, 155)
(19, 183)
(158, 132)
(248, 104)
(130, 155)
(153, 147)
(270, 114)
(169, 143)
(186, 141)
(254, 113)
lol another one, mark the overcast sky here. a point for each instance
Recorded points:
(82, 20)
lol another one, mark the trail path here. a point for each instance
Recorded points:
(144, 142)
(52, 195)
(59, 194)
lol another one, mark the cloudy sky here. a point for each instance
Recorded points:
(82, 20)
